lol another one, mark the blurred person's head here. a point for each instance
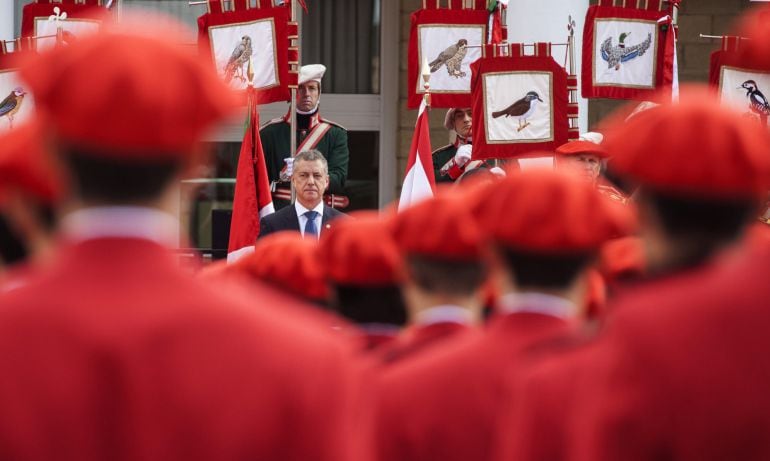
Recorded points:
(708, 177)
(363, 270)
(546, 228)
(442, 249)
(582, 158)
(124, 136)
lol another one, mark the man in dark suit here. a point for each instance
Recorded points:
(309, 215)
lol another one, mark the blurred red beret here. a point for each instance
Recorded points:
(360, 251)
(24, 166)
(694, 148)
(547, 211)
(287, 261)
(755, 26)
(442, 227)
(622, 258)
(127, 95)
(582, 147)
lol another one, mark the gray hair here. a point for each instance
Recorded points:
(311, 156)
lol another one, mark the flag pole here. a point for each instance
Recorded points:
(293, 103)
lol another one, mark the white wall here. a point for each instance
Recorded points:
(546, 21)
(6, 20)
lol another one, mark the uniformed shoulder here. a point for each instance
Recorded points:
(443, 148)
(333, 123)
(612, 193)
(274, 121)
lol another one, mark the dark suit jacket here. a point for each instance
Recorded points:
(286, 219)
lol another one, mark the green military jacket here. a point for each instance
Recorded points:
(333, 145)
(440, 157)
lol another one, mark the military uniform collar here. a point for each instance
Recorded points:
(315, 118)
(460, 141)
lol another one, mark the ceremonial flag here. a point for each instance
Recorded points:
(252, 189)
(419, 182)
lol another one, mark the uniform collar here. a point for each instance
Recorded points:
(315, 117)
(121, 222)
(460, 141)
(444, 314)
(537, 303)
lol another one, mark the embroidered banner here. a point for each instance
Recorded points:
(16, 104)
(450, 38)
(247, 36)
(628, 50)
(520, 102)
(741, 83)
(75, 17)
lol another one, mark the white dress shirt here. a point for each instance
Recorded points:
(537, 303)
(301, 210)
(443, 314)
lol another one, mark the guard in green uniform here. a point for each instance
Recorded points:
(450, 161)
(313, 132)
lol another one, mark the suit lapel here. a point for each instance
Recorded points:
(292, 221)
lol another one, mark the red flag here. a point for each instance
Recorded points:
(252, 189)
(419, 182)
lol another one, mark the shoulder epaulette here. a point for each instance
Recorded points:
(331, 122)
(442, 148)
(271, 122)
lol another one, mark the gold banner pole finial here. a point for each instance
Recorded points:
(425, 72)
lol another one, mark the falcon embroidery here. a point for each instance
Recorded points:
(617, 55)
(11, 104)
(521, 109)
(453, 58)
(238, 60)
(757, 101)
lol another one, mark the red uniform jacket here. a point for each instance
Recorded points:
(114, 353)
(683, 371)
(442, 405)
(419, 339)
(537, 411)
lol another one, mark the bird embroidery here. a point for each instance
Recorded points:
(522, 109)
(238, 60)
(11, 104)
(757, 101)
(453, 58)
(616, 55)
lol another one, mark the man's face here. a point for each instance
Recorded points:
(463, 122)
(310, 180)
(307, 96)
(586, 166)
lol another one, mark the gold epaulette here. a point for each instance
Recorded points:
(272, 122)
(330, 122)
(612, 193)
(442, 148)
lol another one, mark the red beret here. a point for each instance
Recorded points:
(23, 164)
(694, 148)
(755, 26)
(442, 227)
(582, 147)
(127, 95)
(622, 258)
(287, 261)
(547, 211)
(360, 251)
